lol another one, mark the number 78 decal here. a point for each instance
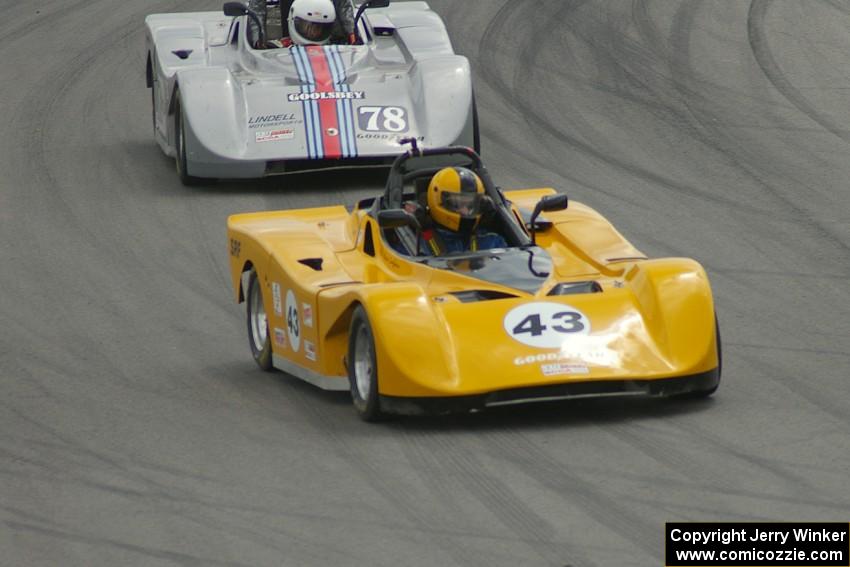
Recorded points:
(545, 325)
(382, 119)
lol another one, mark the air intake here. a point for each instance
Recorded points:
(481, 295)
(315, 263)
(575, 288)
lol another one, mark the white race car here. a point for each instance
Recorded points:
(224, 109)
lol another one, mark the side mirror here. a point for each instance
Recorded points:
(397, 218)
(234, 9)
(547, 204)
(365, 6)
(551, 203)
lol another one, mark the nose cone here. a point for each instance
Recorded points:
(516, 343)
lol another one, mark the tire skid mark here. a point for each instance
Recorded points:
(764, 57)
(645, 25)
(540, 165)
(339, 441)
(99, 541)
(34, 22)
(46, 97)
(799, 488)
(679, 111)
(513, 97)
(684, 77)
(839, 5)
(162, 493)
(421, 448)
(212, 254)
(82, 450)
(431, 461)
(453, 455)
(47, 100)
(680, 108)
(675, 460)
(573, 487)
(785, 348)
(690, 510)
(810, 391)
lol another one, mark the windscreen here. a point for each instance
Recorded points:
(436, 163)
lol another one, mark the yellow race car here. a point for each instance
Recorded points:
(565, 307)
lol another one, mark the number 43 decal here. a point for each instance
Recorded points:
(382, 119)
(532, 324)
(545, 325)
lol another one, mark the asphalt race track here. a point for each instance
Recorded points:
(135, 429)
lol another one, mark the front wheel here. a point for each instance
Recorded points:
(699, 394)
(153, 109)
(258, 324)
(180, 143)
(363, 367)
(476, 133)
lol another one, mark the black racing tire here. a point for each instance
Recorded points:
(363, 368)
(258, 325)
(700, 394)
(180, 145)
(476, 133)
(152, 87)
(153, 109)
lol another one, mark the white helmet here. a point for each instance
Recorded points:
(311, 21)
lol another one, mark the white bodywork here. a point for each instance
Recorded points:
(243, 113)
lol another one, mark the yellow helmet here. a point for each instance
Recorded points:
(454, 197)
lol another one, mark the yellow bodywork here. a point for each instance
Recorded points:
(653, 319)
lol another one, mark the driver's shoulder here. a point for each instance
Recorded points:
(489, 239)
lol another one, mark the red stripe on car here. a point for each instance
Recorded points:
(327, 107)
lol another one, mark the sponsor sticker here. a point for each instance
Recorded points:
(280, 337)
(293, 323)
(563, 368)
(235, 248)
(383, 137)
(307, 314)
(310, 351)
(543, 324)
(274, 135)
(270, 120)
(601, 356)
(330, 95)
(278, 305)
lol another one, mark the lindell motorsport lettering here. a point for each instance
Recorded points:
(271, 118)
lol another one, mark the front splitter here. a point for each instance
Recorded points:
(696, 385)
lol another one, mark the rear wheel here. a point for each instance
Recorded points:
(180, 144)
(258, 324)
(363, 368)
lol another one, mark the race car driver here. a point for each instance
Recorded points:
(456, 203)
(342, 29)
(311, 22)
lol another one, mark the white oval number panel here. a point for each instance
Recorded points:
(293, 323)
(545, 325)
